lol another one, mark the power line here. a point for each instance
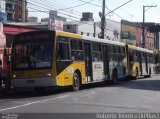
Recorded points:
(123, 10)
(76, 5)
(105, 7)
(60, 4)
(91, 3)
(58, 12)
(50, 6)
(119, 7)
(68, 18)
(65, 14)
(50, 9)
(84, 2)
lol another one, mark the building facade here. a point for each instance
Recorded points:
(21, 12)
(10, 10)
(87, 28)
(150, 40)
(13, 10)
(128, 32)
(54, 15)
(139, 37)
(32, 19)
(113, 30)
(2, 6)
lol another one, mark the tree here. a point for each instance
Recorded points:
(157, 57)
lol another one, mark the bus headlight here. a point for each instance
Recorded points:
(48, 75)
(14, 76)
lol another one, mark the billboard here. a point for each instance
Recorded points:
(55, 24)
(128, 32)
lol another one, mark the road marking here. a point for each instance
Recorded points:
(88, 94)
(83, 93)
(27, 104)
(121, 106)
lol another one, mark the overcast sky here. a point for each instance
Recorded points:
(132, 11)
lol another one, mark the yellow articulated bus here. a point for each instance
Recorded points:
(55, 58)
(140, 61)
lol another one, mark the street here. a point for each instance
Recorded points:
(140, 95)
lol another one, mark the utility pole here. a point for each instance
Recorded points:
(94, 35)
(143, 34)
(103, 16)
(103, 20)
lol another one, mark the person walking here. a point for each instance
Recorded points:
(0, 73)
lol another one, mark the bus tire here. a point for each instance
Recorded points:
(7, 84)
(0, 82)
(76, 82)
(150, 72)
(135, 77)
(114, 77)
(128, 78)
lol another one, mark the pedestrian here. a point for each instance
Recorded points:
(0, 73)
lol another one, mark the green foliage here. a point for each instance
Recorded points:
(157, 57)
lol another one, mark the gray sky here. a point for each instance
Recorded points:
(133, 11)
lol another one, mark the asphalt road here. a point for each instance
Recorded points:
(142, 95)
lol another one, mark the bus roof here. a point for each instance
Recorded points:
(140, 49)
(68, 34)
(103, 40)
(72, 35)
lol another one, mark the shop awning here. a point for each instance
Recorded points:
(2, 40)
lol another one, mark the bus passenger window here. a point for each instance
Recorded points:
(63, 51)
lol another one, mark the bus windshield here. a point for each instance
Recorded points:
(32, 54)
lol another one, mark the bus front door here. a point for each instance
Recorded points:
(88, 61)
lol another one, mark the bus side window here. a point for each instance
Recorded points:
(63, 51)
(76, 50)
(96, 52)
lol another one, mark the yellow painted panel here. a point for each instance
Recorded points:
(135, 64)
(67, 34)
(66, 76)
(133, 47)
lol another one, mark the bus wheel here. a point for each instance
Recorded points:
(76, 82)
(7, 84)
(114, 77)
(0, 83)
(150, 72)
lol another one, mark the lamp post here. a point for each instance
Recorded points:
(143, 35)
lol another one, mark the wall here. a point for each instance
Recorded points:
(73, 28)
(113, 30)
(149, 44)
(20, 11)
(82, 28)
(87, 28)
